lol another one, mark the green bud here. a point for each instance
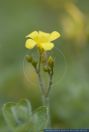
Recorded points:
(43, 59)
(46, 68)
(50, 61)
(29, 58)
(34, 63)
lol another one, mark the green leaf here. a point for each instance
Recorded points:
(40, 118)
(9, 114)
(19, 117)
(28, 127)
(24, 110)
(17, 114)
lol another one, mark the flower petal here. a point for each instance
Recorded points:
(47, 46)
(30, 44)
(43, 37)
(33, 35)
(43, 34)
(54, 35)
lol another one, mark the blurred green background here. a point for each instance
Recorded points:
(70, 94)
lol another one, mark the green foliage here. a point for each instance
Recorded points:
(20, 118)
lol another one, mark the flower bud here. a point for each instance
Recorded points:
(43, 59)
(34, 63)
(29, 58)
(50, 61)
(46, 68)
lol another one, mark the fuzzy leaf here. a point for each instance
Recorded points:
(40, 118)
(17, 114)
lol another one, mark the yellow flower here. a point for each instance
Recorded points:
(41, 39)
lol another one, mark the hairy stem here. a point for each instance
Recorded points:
(45, 97)
(50, 85)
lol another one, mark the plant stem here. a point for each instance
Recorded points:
(45, 96)
(48, 110)
(45, 99)
(50, 84)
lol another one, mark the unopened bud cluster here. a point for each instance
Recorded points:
(49, 66)
(31, 60)
(48, 63)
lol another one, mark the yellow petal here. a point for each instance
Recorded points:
(30, 43)
(43, 34)
(47, 46)
(33, 35)
(54, 35)
(43, 37)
